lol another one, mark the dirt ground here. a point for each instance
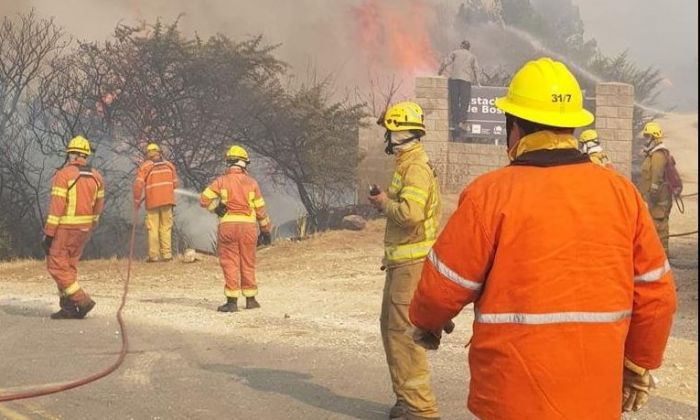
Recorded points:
(312, 351)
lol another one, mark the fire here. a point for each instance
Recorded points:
(394, 36)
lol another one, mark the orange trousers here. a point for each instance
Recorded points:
(236, 248)
(62, 261)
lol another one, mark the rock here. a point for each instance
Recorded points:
(354, 222)
(190, 256)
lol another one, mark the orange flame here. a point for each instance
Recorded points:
(395, 36)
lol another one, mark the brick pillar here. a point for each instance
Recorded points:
(614, 105)
(431, 95)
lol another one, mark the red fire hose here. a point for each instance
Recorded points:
(41, 391)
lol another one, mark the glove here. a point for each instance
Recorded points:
(46, 244)
(636, 385)
(265, 238)
(449, 327)
(221, 210)
(429, 340)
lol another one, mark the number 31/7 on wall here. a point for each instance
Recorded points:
(558, 97)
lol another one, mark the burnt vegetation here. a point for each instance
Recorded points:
(193, 96)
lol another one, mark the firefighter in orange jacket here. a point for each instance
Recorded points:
(77, 197)
(159, 178)
(235, 197)
(568, 321)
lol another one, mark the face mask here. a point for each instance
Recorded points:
(650, 141)
(394, 140)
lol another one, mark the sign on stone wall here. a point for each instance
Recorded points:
(484, 119)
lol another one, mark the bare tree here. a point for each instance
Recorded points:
(28, 47)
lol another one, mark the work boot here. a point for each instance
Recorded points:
(251, 303)
(167, 259)
(152, 259)
(85, 307)
(68, 310)
(400, 409)
(231, 305)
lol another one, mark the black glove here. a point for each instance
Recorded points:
(265, 238)
(429, 340)
(46, 244)
(449, 327)
(221, 210)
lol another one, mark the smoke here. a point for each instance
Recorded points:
(663, 34)
(353, 41)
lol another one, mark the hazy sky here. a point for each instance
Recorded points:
(317, 32)
(659, 33)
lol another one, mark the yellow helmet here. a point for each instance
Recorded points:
(404, 116)
(79, 144)
(544, 91)
(588, 135)
(152, 147)
(237, 152)
(653, 129)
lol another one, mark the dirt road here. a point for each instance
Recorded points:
(312, 352)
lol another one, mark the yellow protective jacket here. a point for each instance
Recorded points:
(652, 183)
(600, 158)
(413, 208)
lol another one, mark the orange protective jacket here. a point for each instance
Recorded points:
(159, 178)
(241, 194)
(567, 275)
(77, 198)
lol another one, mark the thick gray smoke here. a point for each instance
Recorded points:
(324, 35)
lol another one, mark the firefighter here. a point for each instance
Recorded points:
(590, 145)
(653, 184)
(77, 198)
(412, 208)
(235, 197)
(158, 178)
(573, 295)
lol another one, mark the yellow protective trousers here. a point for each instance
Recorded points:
(408, 363)
(159, 224)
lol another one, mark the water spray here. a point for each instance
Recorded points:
(187, 193)
(537, 45)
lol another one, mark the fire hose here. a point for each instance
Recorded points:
(673, 235)
(41, 391)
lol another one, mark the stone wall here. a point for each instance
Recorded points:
(613, 111)
(457, 164)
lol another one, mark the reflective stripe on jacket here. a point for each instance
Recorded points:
(413, 208)
(159, 179)
(77, 197)
(567, 275)
(242, 196)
